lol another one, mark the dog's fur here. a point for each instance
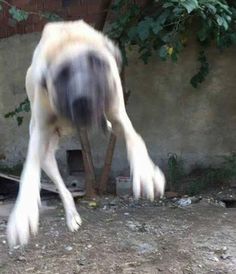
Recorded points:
(73, 79)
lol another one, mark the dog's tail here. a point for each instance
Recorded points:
(83, 88)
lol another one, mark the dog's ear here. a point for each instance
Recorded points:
(115, 51)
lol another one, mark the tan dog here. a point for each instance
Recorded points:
(73, 79)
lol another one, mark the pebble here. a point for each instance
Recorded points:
(68, 248)
(21, 259)
(184, 202)
(213, 258)
(224, 256)
(145, 248)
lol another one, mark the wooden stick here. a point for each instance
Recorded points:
(111, 145)
(90, 180)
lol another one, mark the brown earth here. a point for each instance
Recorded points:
(123, 236)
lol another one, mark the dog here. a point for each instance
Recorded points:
(74, 79)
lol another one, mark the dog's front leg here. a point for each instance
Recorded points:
(25, 214)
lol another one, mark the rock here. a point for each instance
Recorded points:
(225, 257)
(81, 261)
(145, 248)
(195, 200)
(184, 202)
(213, 258)
(123, 186)
(68, 248)
(21, 259)
(93, 204)
(132, 226)
(221, 204)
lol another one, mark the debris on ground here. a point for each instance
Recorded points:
(122, 235)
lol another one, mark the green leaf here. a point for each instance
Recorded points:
(156, 28)
(18, 14)
(163, 16)
(19, 120)
(211, 8)
(132, 33)
(143, 30)
(203, 70)
(145, 56)
(163, 52)
(222, 22)
(202, 34)
(190, 5)
(174, 56)
(50, 16)
(167, 5)
(167, 37)
(9, 114)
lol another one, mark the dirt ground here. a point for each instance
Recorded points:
(123, 236)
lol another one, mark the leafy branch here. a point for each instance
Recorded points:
(23, 107)
(20, 15)
(163, 28)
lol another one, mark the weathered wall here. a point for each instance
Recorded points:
(173, 117)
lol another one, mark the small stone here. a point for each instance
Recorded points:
(224, 257)
(21, 259)
(4, 242)
(184, 202)
(213, 258)
(131, 226)
(82, 261)
(93, 204)
(68, 248)
(126, 213)
(16, 247)
(145, 248)
(195, 200)
(221, 204)
(89, 246)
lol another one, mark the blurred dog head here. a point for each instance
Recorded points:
(76, 70)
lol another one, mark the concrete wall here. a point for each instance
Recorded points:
(172, 116)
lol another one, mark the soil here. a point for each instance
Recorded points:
(124, 236)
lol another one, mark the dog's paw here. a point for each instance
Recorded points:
(73, 220)
(148, 179)
(22, 221)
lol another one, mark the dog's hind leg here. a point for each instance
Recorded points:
(49, 165)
